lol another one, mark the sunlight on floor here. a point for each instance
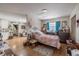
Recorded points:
(14, 46)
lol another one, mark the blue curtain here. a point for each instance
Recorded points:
(48, 25)
(57, 26)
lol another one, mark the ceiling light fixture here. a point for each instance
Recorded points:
(44, 10)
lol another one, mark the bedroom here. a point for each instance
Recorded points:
(39, 29)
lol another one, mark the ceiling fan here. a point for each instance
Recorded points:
(43, 11)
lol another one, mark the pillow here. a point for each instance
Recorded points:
(41, 33)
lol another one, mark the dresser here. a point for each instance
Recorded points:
(63, 36)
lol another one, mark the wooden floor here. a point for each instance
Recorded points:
(16, 44)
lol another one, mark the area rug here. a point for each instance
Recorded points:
(44, 50)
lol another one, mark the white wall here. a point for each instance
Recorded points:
(35, 21)
(75, 11)
(4, 25)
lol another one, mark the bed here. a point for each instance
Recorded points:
(51, 40)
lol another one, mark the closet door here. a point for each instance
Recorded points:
(73, 28)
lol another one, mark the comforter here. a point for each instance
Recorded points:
(51, 40)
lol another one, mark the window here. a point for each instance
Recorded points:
(53, 26)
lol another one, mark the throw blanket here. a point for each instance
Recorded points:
(51, 40)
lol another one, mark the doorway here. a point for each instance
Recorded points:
(16, 29)
(73, 28)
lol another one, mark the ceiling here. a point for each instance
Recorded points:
(34, 9)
